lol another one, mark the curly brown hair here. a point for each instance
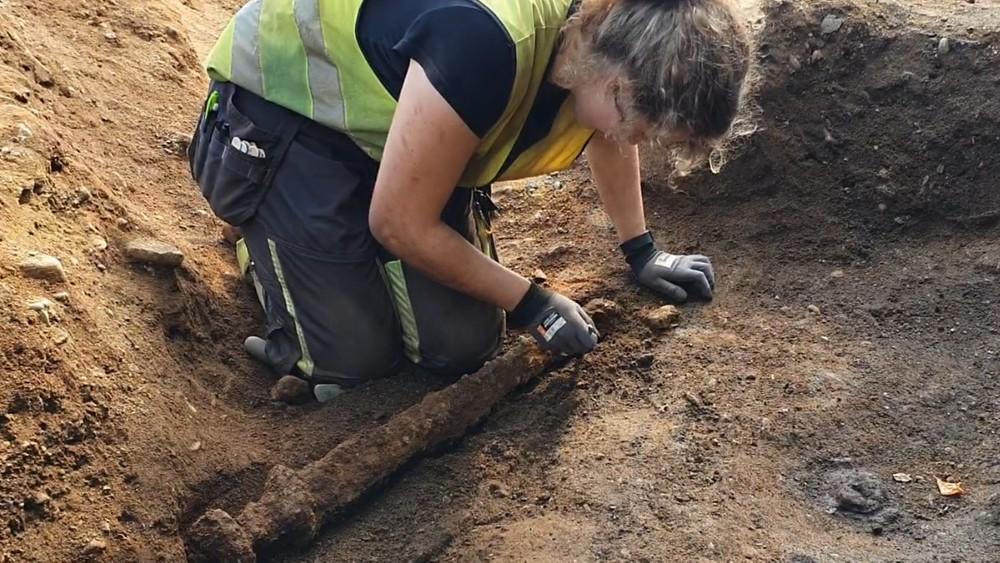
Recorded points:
(686, 66)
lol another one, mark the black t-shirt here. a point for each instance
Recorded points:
(466, 52)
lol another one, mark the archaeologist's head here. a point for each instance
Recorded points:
(670, 71)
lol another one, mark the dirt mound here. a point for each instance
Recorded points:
(853, 337)
(872, 128)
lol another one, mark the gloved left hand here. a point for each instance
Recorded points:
(671, 275)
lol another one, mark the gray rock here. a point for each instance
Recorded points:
(43, 267)
(944, 46)
(860, 494)
(831, 24)
(149, 251)
(327, 391)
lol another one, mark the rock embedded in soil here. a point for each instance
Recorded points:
(95, 547)
(498, 489)
(831, 24)
(60, 337)
(83, 195)
(944, 46)
(663, 318)
(645, 361)
(602, 310)
(154, 252)
(44, 267)
(23, 133)
(858, 493)
(290, 389)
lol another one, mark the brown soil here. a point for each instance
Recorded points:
(758, 429)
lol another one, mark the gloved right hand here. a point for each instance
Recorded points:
(557, 323)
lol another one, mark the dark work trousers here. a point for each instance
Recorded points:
(338, 307)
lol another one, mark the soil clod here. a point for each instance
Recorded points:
(291, 390)
(663, 318)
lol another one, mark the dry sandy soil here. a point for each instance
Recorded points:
(854, 335)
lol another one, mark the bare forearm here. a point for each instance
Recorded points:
(449, 259)
(615, 170)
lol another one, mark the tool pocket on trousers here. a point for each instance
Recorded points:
(232, 163)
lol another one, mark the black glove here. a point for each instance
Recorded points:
(557, 323)
(671, 275)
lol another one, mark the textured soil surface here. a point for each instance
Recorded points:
(849, 360)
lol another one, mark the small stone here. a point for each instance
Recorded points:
(663, 318)
(837, 274)
(539, 276)
(325, 392)
(22, 133)
(106, 527)
(830, 24)
(176, 144)
(40, 498)
(901, 477)
(122, 223)
(944, 46)
(39, 305)
(98, 243)
(62, 297)
(813, 309)
(195, 446)
(25, 196)
(95, 547)
(601, 309)
(645, 361)
(291, 390)
(149, 251)
(83, 195)
(794, 63)
(44, 267)
(60, 337)
(497, 489)
(43, 77)
(816, 56)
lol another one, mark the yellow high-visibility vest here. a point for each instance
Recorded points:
(304, 55)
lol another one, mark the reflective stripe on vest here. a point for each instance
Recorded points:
(304, 55)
